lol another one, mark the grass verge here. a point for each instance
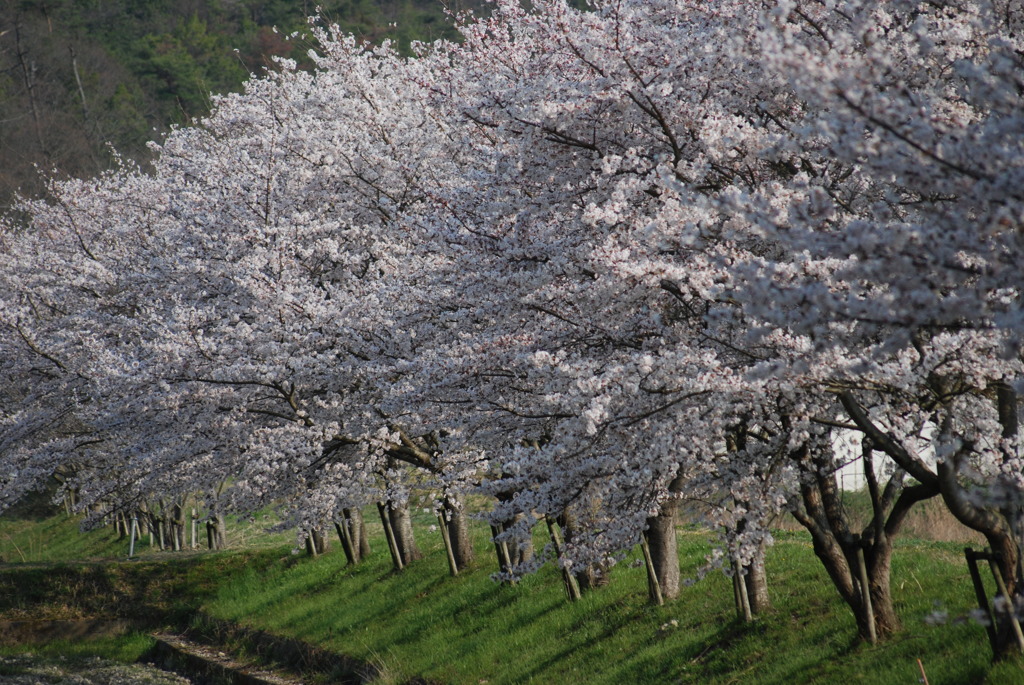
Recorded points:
(468, 629)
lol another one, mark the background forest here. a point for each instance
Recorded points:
(81, 79)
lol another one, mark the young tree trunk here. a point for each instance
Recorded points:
(453, 567)
(739, 589)
(653, 584)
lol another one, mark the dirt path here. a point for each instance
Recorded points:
(202, 663)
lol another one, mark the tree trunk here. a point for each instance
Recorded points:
(177, 527)
(661, 539)
(28, 74)
(458, 533)
(520, 549)
(757, 583)
(878, 557)
(359, 532)
(1004, 548)
(216, 532)
(992, 521)
(401, 523)
(320, 543)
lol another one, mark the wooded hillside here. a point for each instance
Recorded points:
(80, 79)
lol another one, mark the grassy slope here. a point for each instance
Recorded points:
(471, 630)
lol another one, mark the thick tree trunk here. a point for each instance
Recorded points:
(757, 583)
(661, 539)
(878, 557)
(177, 527)
(458, 533)
(216, 532)
(359, 532)
(992, 521)
(401, 524)
(520, 549)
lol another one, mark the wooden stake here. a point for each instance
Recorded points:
(653, 585)
(1001, 584)
(748, 616)
(979, 593)
(739, 592)
(572, 586)
(447, 539)
(924, 676)
(345, 535)
(389, 533)
(865, 593)
(737, 600)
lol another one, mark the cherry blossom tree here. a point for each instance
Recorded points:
(908, 284)
(594, 263)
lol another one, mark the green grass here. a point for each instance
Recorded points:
(32, 533)
(127, 648)
(53, 539)
(469, 629)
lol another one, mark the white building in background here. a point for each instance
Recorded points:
(847, 447)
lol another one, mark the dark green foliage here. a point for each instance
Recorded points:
(78, 77)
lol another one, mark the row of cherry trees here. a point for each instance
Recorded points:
(593, 264)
